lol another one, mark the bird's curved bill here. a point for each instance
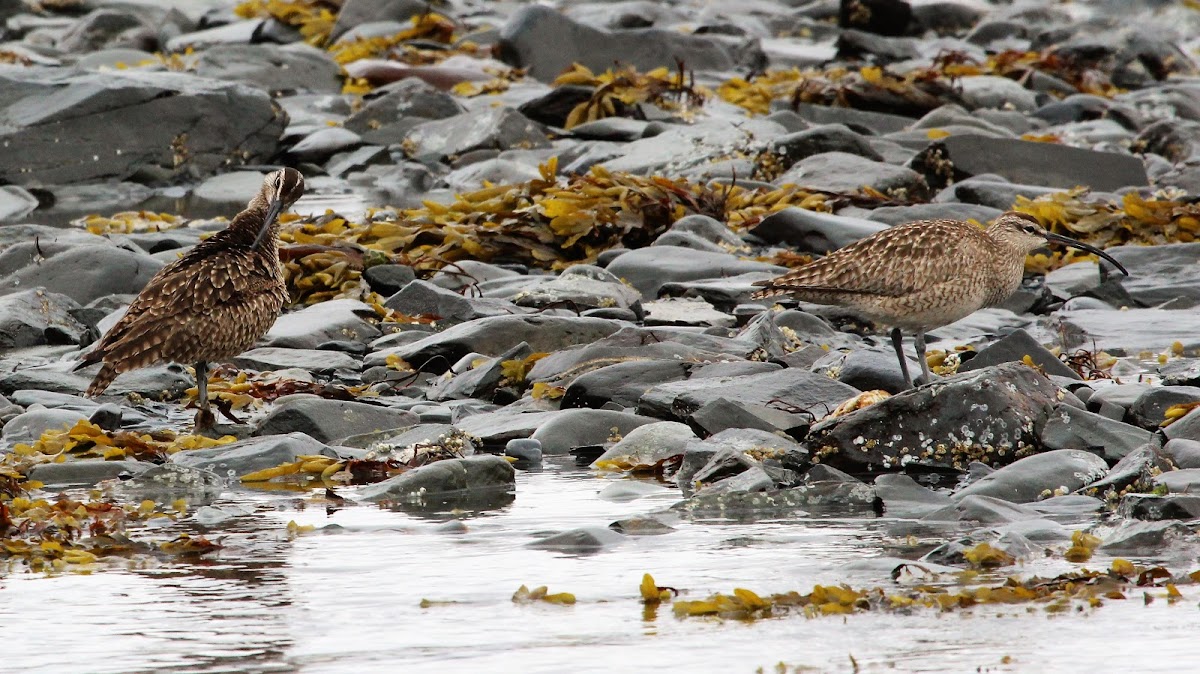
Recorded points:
(274, 207)
(1050, 236)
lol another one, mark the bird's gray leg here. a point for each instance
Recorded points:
(919, 343)
(898, 343)
(204, 417)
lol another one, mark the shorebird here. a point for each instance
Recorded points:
(923, 275)
(212, 303)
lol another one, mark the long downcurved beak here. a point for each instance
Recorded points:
(1056, 238)
(274, 207)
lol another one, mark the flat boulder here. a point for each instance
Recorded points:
(992, 416)
(155, 125)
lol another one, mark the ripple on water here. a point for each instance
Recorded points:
(347, 599)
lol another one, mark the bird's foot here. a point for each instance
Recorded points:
(205, 419)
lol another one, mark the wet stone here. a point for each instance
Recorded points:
(312, 360)
(902, 496)
(810, 231)
(327, 420)
(85, 273)
(649, 444)
(1013, 348)
(84, 471)
(446, 483)
(1182, 453)
(795, 390)
(582, 427)
(494, 129)
(584, 540)
(739, 448)
(842, 172)
(1030, 163)
(1039, 476)
(1070, 428)
(992, 510)
(988, 415)
(388, 279)
(621, 383)
(35, 317)
(319, 324)
(1146, 538)
(30, 425)
(1184, 481)
(867, 369)
(1148, 410)
(253, 454)
(154, 109)
(722, 414)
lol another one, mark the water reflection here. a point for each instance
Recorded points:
(347, 598)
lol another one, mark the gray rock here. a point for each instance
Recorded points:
(323, 323)
(1072, 428)
(683, 147)
(867, 369)
(1034, 477)
(584, 286)
(492, 336)
(84, 471)
(1182, 453)
(30, 425)
(586, 540)
(253, 454)
(546, 42)
(1162, 272)
(422, 298)
(224, 194)
(495, 171)
(290, 68)
(649, 444)
(357, 12)
(324, 143)
(721, 414)
(810, 231)
(1183, 481)
(388, 279)
(648, 269)
(395, 109)
(818, 139)
(1129, 331)
(1157, 508)
(1148, 410)
(842, 172)
(798, 390)
(327, 420)
(1027, 162)
(445, 482)
(16, 203)
(1144, 539)
(156, 125)
(680, 311)
(1012, 348)
(35, 317)
(903, 497)
(85, 273)
(991, 91)
(1187, 428)
(568, 429)
(275, 358)
(527, 451)
(991, 415)
(621, 383)
(991, 192)
(875, 122)
(492, 129)
(992, 510)
(898, 215)
(733, 451)
(481, 380)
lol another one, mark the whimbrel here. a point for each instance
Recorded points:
(212, 303)
(923, 275)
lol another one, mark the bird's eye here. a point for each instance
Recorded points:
(1030, 229)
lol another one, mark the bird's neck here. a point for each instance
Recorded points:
(248, 224)
(1009, 270)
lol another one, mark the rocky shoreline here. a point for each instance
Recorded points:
(558, 257)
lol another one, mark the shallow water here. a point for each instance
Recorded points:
(346, 598)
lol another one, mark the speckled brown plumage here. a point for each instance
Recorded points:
(212, 303)
(921, 275)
